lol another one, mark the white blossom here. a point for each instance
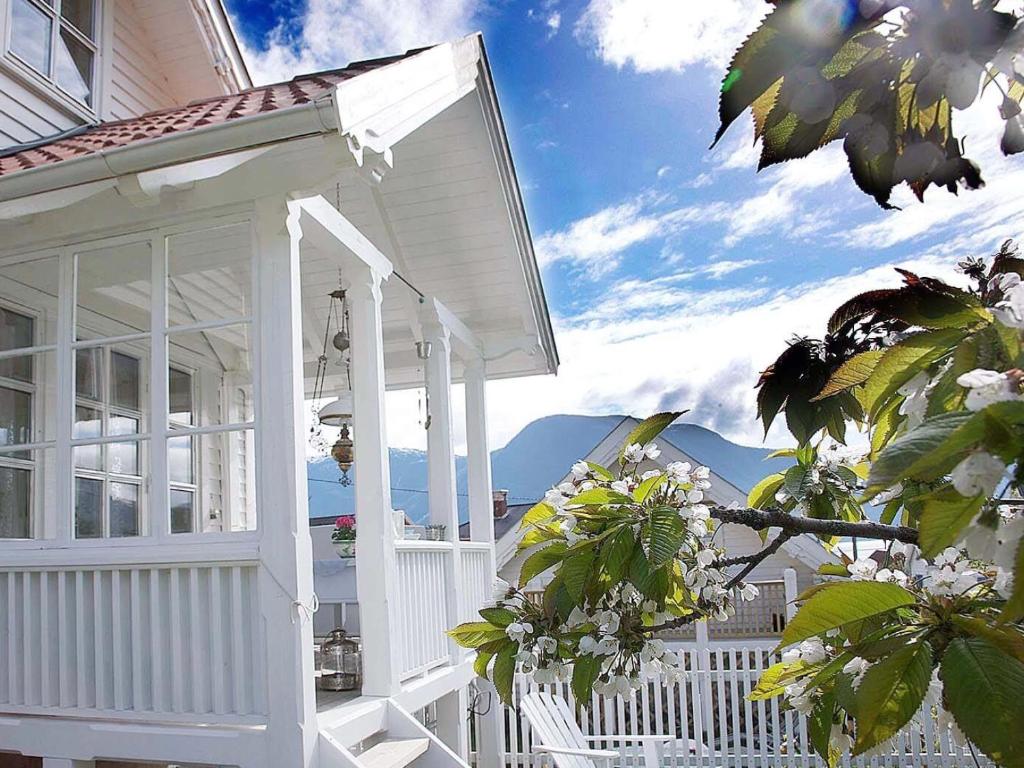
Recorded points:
(652, 451)
(987, 387)
(1010, 311)
(749, 592)
(893, 576)
(519, 630)
(839, 739)
(634, 453)
(580, 470)
(707, 557)
(679, 471)
(500, 589)
(978, 474)
(620, 486)
(813, 650)
(915, 403)
(863, 569)
(1003, 583)
(856, 667)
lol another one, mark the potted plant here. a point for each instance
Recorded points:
(344, 536)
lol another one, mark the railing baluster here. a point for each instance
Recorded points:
(158, 641)
(81, 652)
(136, 653)
(216, 640)
(237, 650)
(176, 634)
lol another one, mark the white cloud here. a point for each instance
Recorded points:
(719, 269)
(652, 35)
(596, 243)
(333, 33)
(654, 344)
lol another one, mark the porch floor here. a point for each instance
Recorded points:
(327, 700)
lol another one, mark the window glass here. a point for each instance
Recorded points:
(30, 35)
(223, 357)
(226, 490)
(88, 508)
(15, 503)
(180, 398)
(89, 373)
(79, 13)
(17, 331)
(209, 275)
(124, 510)
(15, 417)
(73, 66)
(179, 457)
(124, 382)
(182, 511)
(114, 289)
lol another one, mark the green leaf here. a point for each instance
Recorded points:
(540, 561)
(649, 429)
(665, 533)
(499, 617)
(763, 494)
(890, 693)
(833, 569)
(819, 728)
(504, 672)
(585, 670)
(902, 362)
(837, 603)
(1014, 608)
(600, 471)
(944, 514)
(575, 573)
(617, 552)
(1007, 638)
(984, 689)
(481, 662)
(538, 535)
(796, 480)
(854, 371)
(473, 634)
(598, 497)
(773, 681)
(642, 491)
(538, 513)
(914, 454)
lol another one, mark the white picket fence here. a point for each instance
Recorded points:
(711, 707)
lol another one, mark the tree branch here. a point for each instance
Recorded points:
(759, 519)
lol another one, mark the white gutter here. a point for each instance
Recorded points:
(314, 118)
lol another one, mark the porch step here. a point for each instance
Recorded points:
(393, 753)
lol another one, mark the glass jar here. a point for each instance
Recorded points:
(341, 666)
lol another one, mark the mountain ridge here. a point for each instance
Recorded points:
(531, 462)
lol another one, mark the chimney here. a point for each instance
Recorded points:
(500, 504)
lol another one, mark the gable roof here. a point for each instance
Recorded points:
(88, 140)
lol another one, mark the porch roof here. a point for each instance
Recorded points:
(91, 139)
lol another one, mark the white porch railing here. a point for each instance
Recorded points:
(477, 579)
(710, 706)
(133, 640)
(763, 617)
(420, 612)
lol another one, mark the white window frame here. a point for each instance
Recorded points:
(8, 459)
(55, 518)
(195, 485)
(46, 81)
(106, 409)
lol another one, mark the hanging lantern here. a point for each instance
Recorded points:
(344, 454)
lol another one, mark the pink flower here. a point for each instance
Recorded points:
(345, 521)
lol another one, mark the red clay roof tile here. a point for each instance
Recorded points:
(220, 109)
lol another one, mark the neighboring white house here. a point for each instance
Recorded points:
(165, 284)
(761, 618)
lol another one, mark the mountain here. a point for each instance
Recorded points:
(534, 460)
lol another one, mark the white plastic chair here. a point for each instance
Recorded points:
(556, 733)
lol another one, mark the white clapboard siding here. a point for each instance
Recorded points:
(137, 82)
(27, 116)
(710, 706)
(132, 641)
(420, 612)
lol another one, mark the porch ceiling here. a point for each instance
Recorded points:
(441, 216)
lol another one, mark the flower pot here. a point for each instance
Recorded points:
(345, 549)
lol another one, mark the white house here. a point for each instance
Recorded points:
(765, 617)
(165, 281)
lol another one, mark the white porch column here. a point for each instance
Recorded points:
(791, 591)
(443, 496)
(375, 547)
(478, 454)
(286, 572)
(490, 736)
(452, 725)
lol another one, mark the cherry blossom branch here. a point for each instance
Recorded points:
(759, 519)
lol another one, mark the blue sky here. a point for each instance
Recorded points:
(674, 272)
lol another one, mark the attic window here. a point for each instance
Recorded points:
(57, 39)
